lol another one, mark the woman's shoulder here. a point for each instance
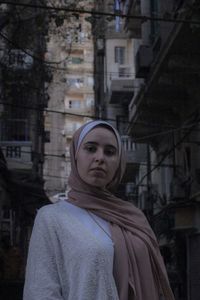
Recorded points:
(52, 210)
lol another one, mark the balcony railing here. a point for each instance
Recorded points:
(17, 59)
(128, 143)
(121, 89)
(135, 153)
(17, 154)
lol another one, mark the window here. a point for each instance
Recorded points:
(89, 102)
(90, 81)
(75, 103)
(14, 130)
(75, 82)
(76, 60)
(118, 20)
(72, 126)
(47, 136)
(18, 59)
(120, 55)
(13, 151)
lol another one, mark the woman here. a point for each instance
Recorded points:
(93, 245)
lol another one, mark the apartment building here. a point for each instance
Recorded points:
(71, 91)
(158, 103)
(22, 100)
(164, 113)
(114, 85)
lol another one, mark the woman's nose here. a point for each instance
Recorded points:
(99, 155)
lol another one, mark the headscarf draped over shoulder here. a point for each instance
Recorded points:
(139, 270)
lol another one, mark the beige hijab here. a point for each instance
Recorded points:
(139, 270)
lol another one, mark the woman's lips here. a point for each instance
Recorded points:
(98, 171)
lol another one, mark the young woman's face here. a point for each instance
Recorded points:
(98, 158)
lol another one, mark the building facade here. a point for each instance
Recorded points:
(71, 92)
(22, 101)
(114, 85)
(162, 112)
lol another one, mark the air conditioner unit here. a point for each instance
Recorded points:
(143, 60)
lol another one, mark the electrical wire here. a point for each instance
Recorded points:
(143, 18)
(135, 140)
(46, 110)
(168, 153)
(66, 69)
(63, 156)
(47, 7)
(33, 56)
(156, 165)
(165, 132)
(57, 8)
(31, 152)
(152, 135)
(189, 126)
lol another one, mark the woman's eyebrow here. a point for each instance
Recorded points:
(95, 143)
(91, 142)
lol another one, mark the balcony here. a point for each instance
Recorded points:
(167, 96)
(79, 85)
(80, 107)
(135, 153)
(17, 59)
(83, 111)
(133, 25)
(18, 154)
(121, 90)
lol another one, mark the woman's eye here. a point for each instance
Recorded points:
(90, 148)
(110, 152)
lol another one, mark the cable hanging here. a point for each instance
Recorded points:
(33, 56)
(167, 131)
(168, 152)
(143, 18)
